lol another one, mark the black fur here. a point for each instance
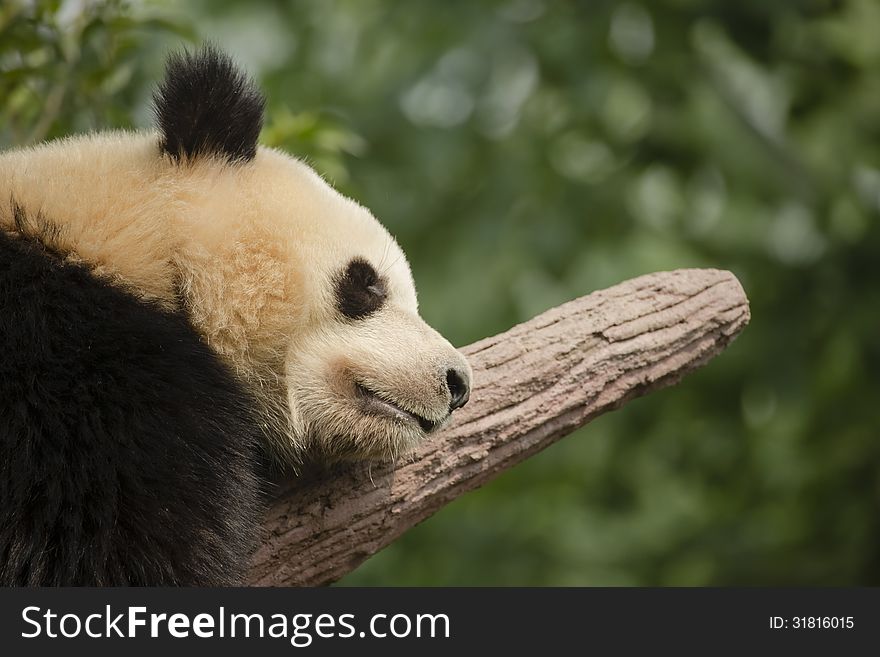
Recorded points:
(207, 106)
(360, 291)
(127, 450)
(35, 225)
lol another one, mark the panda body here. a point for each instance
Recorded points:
(98, 388)
(172, 305)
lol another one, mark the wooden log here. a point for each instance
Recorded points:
(533, 384)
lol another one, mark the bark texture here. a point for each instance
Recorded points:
(533, 384)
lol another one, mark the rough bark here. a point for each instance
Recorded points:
(533, 384)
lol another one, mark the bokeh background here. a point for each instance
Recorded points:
(526, 152)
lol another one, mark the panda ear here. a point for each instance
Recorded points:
(207, 106)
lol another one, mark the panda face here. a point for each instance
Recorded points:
(303, 291)
(370, 377)
(362, 374)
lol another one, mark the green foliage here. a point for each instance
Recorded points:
(73, 66)
(526, 152)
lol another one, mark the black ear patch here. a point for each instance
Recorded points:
(360, 291)
(207, 106)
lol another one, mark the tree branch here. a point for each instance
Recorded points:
(533, 384)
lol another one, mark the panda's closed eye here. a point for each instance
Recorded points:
(360, 291)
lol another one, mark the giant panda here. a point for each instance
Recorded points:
(174, 305)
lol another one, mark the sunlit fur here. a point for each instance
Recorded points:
(249, 250)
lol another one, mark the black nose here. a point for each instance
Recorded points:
(457, 382)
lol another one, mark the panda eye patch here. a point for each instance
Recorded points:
(360, 291)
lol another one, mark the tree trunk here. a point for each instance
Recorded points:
(533, 384)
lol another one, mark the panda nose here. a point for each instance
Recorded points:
(459, 388)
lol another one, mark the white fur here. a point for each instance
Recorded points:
(249, 251)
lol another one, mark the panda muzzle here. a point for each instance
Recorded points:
(374, 403)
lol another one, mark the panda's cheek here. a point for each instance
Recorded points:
(339, 376)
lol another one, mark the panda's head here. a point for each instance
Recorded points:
(301, 289)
